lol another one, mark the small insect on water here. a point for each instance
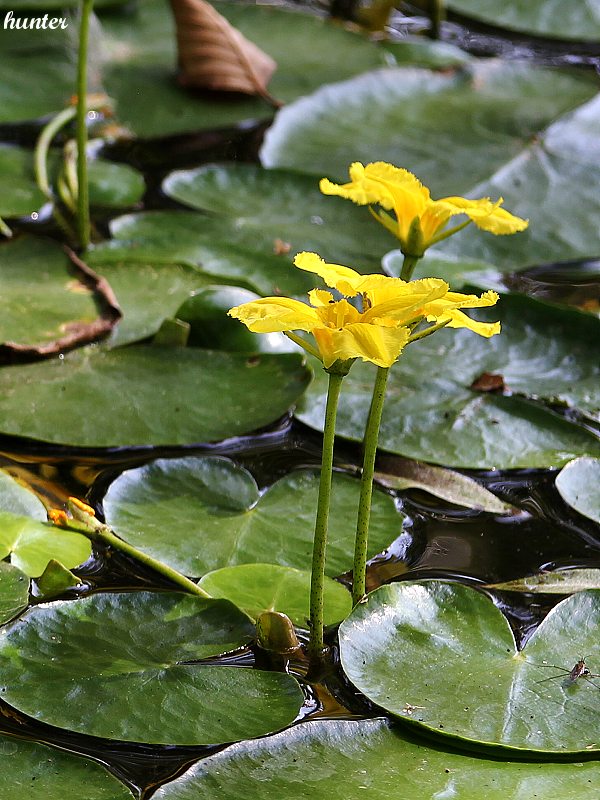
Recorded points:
(580, 670)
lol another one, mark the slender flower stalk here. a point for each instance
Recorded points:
(83, 201)
(316, 644)
(83, 519)
(366, 486)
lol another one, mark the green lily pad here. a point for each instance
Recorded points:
(258, 220)
(544, 352)
(471, 683)
(579, 485)
(452, 129)
(201, 514)
(565, 581)
(19, 500)
(45, 302)
(148, 395)
(122, 660)
(206, 313)
(19, 194)
(370, 758)
(554, 184)
(43, 773)
(111, 185)
(56, 579)
(557, 19)
(141, 52)
(257, 588)
(148, 294)
(32, 544)
(14, 592)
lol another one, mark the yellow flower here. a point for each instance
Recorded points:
(390, 310)
(419, 221)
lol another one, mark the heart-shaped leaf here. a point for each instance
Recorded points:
(32, 544)
(435, 412)
(14, 592)
(201, 514)
(537, 17)
(172, 405)
(118, 666)
(564, 581)
(443, 657)
(321, 759)
(38, 772)
(257, 588)
(18, 500)
(579, 485)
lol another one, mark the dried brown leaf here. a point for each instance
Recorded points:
(214, 55)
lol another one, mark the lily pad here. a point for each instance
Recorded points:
(544, 353)
(579, 485)
(565, 581)
(201, 514)
(350, 758)
(148, 294)
(14, 592)
(257, 588)
(17, 499)
(61, 309)
(123, 662)
(45, 773)
(553, 183)
(32, 544)
(182, 395)
(471, 683)
(557, 19)
(258, 220)
(452, 129)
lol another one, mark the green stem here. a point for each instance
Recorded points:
(366, 486)
(40, 156)
(440, 237)
(427, 332)
(408, 267)
(303, 344)
(105, 535)
(437, 14)
(316, 644)
(83, 203)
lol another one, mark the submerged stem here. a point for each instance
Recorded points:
(366, 486)
(317, 645)
(83, 203)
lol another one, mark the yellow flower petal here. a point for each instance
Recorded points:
(489, 216)
(341, 278)
(319, 297)
(381, 346)
(460, 320)
(272, 314)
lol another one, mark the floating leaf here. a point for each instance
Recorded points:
(565, 581)
(201, 514)
(444, 483)
(17, 499)
(182, 395)
(56, 579)
(19, 194)
(544, 353)
(471, 682)
(123, 661)
(537, 17)
(257, 588)
(14, 592)
(67, 303)
(452, 129)
(214, 55)
(356, 758)
(32, 544)
(579, 485)
(43, 773)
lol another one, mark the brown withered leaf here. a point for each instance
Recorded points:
(488, 382)
(214, 55)
(77, 332)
